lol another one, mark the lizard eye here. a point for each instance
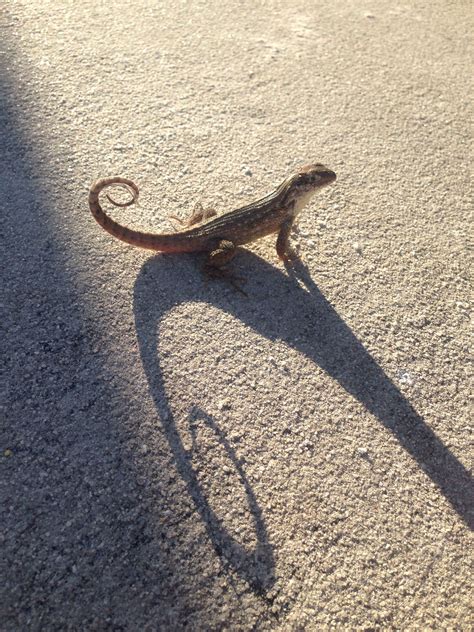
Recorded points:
(303, 178)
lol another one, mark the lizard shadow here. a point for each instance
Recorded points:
(308, 323)
(160, 277)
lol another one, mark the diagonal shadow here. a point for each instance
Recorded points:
(82, 548)
(308, 323)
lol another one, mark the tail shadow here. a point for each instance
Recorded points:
(255, 566)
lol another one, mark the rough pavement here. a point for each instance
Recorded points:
(176, 456)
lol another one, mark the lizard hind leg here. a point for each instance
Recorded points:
(218, 258)
(221, 254)
(198, 215)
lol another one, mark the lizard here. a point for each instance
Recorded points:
(219, 236)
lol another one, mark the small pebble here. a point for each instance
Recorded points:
(405, 378)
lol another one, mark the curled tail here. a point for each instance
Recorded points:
(133, 237)
(163, 242)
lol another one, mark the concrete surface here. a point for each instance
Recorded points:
(176, 456)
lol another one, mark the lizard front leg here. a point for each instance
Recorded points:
(284, 251)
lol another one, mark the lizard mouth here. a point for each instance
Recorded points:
(328, 177)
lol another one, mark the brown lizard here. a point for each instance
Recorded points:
(219, 236)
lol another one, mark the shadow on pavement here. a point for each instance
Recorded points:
(81, 547)
(157, 290)
(309, 324)
(82, 544)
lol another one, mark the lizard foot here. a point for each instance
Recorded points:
(198, 215)
(212, 272)
(289, 257)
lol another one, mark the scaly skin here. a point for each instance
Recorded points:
(219, 236)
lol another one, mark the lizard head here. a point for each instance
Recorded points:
(301, 186)
(313, 177)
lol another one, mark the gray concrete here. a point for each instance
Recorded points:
(176, 456)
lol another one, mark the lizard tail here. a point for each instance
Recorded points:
(185, 241)
(130, 236)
